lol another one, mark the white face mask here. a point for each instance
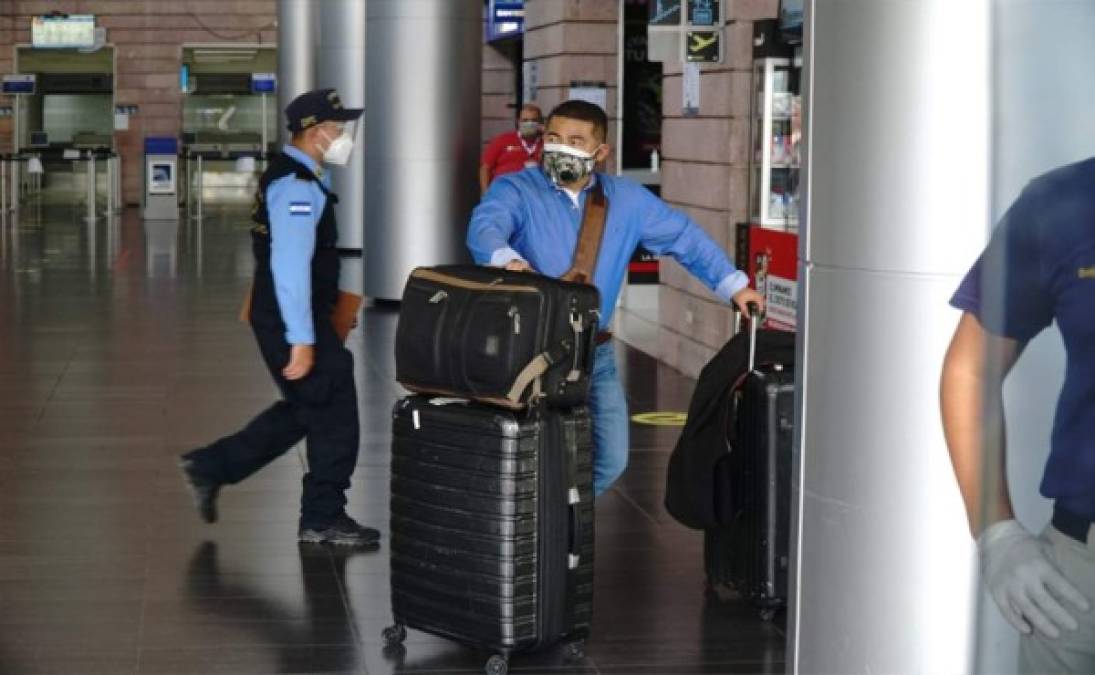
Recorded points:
(338, 150)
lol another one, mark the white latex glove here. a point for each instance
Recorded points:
(1024, 583)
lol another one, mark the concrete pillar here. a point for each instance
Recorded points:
(896, 206)
(422, 119)
(296, 54)
(341, 64)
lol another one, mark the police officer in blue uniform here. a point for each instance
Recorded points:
(1039, 267)
(295, 290)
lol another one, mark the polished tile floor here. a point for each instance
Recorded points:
(119, 349)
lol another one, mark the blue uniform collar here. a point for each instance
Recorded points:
(300, 156)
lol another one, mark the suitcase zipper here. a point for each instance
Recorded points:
(430, 275)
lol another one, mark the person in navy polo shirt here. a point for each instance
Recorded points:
(1039, 267)
(530, 220)
(514, 150)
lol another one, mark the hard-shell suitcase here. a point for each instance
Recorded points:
(491, 526)
(752, 552)
(497, 336)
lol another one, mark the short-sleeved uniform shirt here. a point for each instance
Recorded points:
(295, 207)
(509, 153)
(1039, 266)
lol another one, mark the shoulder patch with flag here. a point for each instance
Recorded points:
(300, 208)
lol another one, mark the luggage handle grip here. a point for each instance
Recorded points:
(574, 498)
(754, 316)
(577, 327)
(754, 321)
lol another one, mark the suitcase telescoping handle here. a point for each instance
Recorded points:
(754, 322)
(754, 319)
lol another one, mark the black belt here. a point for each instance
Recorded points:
(602, 337)
(1071, 524)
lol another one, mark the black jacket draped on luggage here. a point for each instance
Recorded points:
(694, 492)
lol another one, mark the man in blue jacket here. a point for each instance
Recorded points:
(530, 221)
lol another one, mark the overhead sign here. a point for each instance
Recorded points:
(19, 84)
(72, 31)
(703, 12)
(505, 18)
(264, 83)
(685, 30)
(790, 14)
(703, 46)
(665, 13)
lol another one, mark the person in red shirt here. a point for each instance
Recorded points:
(514, 150)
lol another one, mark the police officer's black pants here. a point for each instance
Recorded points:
(321, 407)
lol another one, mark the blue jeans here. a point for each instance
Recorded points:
(608, 409)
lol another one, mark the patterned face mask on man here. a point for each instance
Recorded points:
(564, 164)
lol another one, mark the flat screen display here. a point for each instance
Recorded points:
(161, 179)
(60, 32)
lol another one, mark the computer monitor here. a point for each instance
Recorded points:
(39, 139)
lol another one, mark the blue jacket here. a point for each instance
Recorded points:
(525, 216)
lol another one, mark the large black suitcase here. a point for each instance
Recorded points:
(497, 336)
(750, 555)
(491, 526)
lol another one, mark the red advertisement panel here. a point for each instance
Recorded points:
(773, 272)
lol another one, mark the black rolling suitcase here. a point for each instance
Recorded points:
(751, 554)
(491, 526)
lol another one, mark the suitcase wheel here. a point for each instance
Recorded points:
(575, 651)
(496, 665)
(394, 635)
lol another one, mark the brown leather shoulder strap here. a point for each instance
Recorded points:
(589, 237)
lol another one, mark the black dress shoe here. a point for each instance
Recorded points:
(343, 531)
(204, 490)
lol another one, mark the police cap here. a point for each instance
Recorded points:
(317, 106)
